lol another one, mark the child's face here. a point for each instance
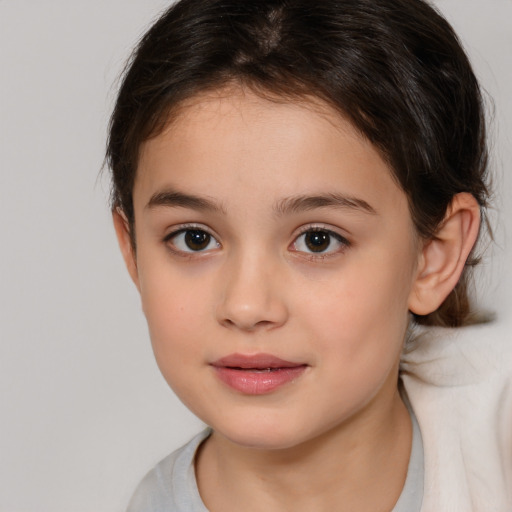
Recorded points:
(270, 232)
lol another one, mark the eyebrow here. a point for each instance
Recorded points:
(173, 199)
(289, 205)
(303, 203)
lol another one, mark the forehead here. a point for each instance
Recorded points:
(262, 144)
(260, 110)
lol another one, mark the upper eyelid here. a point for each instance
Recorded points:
(179, 228)
(175, 230)
(321, 227)
(344, 245)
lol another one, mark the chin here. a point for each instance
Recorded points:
(264, 441)
(263, 434)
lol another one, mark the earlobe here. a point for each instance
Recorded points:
(124, 239)
(443, 257)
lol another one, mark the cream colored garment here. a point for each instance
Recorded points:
(459, 382)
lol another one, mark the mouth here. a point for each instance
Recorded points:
(257, 374)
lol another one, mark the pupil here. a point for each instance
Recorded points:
(197, 240)
(317, 241)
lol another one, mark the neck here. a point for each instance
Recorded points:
(360, 465)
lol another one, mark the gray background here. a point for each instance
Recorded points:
(83, 410)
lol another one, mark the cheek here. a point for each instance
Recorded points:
(177, 330)
(368, 288)
(361, 315)
(175, 307)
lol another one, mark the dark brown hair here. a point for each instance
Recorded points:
(394, 68)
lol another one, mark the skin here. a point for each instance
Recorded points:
(340, 428)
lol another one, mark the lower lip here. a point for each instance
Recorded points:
(258, 382)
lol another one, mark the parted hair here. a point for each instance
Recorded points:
(394, 68)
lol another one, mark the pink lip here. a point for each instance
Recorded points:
(256, 374)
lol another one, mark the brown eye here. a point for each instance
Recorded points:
(197, 240)
(192, 240)
(317, 241)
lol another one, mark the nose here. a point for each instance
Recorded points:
(252, 295)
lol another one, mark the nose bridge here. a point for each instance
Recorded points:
(252, 296)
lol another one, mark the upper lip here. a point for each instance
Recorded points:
(254, 361)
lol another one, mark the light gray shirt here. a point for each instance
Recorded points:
(171, 485)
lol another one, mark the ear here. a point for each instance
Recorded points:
(443, 257)
(122, 228)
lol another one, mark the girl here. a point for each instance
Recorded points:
(298, 187)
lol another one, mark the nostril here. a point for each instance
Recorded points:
(253, 319)
(247, 325)
(249, 298)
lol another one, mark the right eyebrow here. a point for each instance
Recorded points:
(173, 199)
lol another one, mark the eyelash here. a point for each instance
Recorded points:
(312, 254)
(183, 230)
(315, 255)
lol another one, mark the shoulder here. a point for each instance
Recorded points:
(459, 356)
(459, 382)
(171, 484)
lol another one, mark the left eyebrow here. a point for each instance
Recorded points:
(297, 204)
